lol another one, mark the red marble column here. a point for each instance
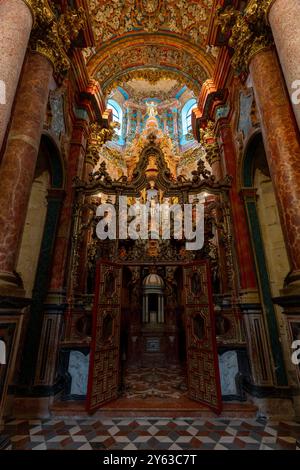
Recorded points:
(16, 24)
(18, 165)
(216, 169)
(240, 226)
(75, 166)
(284, 18)
(82, 262)
(281, 139)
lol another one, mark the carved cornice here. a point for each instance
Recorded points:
(101, 181)
(52, 34)
(250, 32)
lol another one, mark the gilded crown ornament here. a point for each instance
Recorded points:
(250, 32)
(52, 35)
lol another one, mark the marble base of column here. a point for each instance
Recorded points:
(216, 169)
(11, 285)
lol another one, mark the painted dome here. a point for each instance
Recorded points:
(153, 280)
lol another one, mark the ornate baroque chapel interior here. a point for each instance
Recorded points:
(164, 102)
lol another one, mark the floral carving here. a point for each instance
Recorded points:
(189, 19)
(151, 57)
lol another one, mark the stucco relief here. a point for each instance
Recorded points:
(112, 19)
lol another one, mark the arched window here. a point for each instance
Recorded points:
(117, 114)
(186, 114)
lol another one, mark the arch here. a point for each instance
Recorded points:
(53, 200)
(253, 151)
(176, 56)
(103, 52)
(247, 176)
(117, 113)
(186, 115)
(55, 160)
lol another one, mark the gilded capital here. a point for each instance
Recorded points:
(250, 32)
(53, 33)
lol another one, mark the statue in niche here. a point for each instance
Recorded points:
(152, 109)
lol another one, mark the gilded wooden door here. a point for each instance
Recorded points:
(105, 347)
(202, 356)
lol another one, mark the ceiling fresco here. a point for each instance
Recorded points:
(142, 88)
(151, 57)
(186, 18)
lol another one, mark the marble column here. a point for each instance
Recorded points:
(144, 308)
(242, 238)
(216, 167)
(138, 121)
(129, 115)
(281, 139)
(165, 122)
(284, 19)
(175, 123)
(16, 24)
(19, 161)
(75, 168)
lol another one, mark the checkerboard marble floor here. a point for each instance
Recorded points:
(151, 434)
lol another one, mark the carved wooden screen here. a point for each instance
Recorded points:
(202, 356)
(105, 348)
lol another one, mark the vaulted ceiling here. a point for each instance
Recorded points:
(186, 18)
(150, 39)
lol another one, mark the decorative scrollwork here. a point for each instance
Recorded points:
(250, 32)
(52, 35)
(209, 142)
(99, 135)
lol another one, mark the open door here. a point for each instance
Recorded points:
(105, 347)
(202, 356)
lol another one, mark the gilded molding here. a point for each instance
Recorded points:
(250, 32)
(52, 34)
(31, 6)
(269, 4)
(98, 136)
(209, 142)
(151, 74)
